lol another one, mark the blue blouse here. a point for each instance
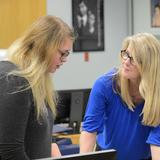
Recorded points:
(118, 127)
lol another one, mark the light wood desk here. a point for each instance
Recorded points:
(74, 137)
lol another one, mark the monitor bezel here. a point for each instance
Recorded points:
(97, 155)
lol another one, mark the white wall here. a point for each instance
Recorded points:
(78, 74)
(2, 54)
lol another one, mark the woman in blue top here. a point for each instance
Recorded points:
(123, 111)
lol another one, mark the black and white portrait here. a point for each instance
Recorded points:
(155, 13)
(88, 22)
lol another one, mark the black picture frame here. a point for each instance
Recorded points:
(155, 13)
(90, 32)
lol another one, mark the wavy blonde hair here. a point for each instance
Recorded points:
(146, 54)
(32, 53)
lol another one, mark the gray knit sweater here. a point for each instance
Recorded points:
(22, 137)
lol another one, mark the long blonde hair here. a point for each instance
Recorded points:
(146, 54)
(32, 53)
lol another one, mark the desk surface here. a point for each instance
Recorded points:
(74, 137)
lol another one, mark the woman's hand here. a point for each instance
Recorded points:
(55, 152)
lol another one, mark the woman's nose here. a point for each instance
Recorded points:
(127, 61)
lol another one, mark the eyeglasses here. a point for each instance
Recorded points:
(125, 56)
(64, 54)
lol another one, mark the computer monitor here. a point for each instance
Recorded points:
(109, 154)
(71, 107)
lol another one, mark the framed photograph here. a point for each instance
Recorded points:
(88, 23)
(155, 13)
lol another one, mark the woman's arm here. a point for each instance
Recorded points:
(155, 152)
(87, 141)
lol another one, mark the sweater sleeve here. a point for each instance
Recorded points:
(14, 113)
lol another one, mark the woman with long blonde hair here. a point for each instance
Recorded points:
(27, 100)
(123, 111)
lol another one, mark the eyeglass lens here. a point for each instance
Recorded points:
(125, 56)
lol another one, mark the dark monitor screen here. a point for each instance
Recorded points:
(98, 155)
(71, 107)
